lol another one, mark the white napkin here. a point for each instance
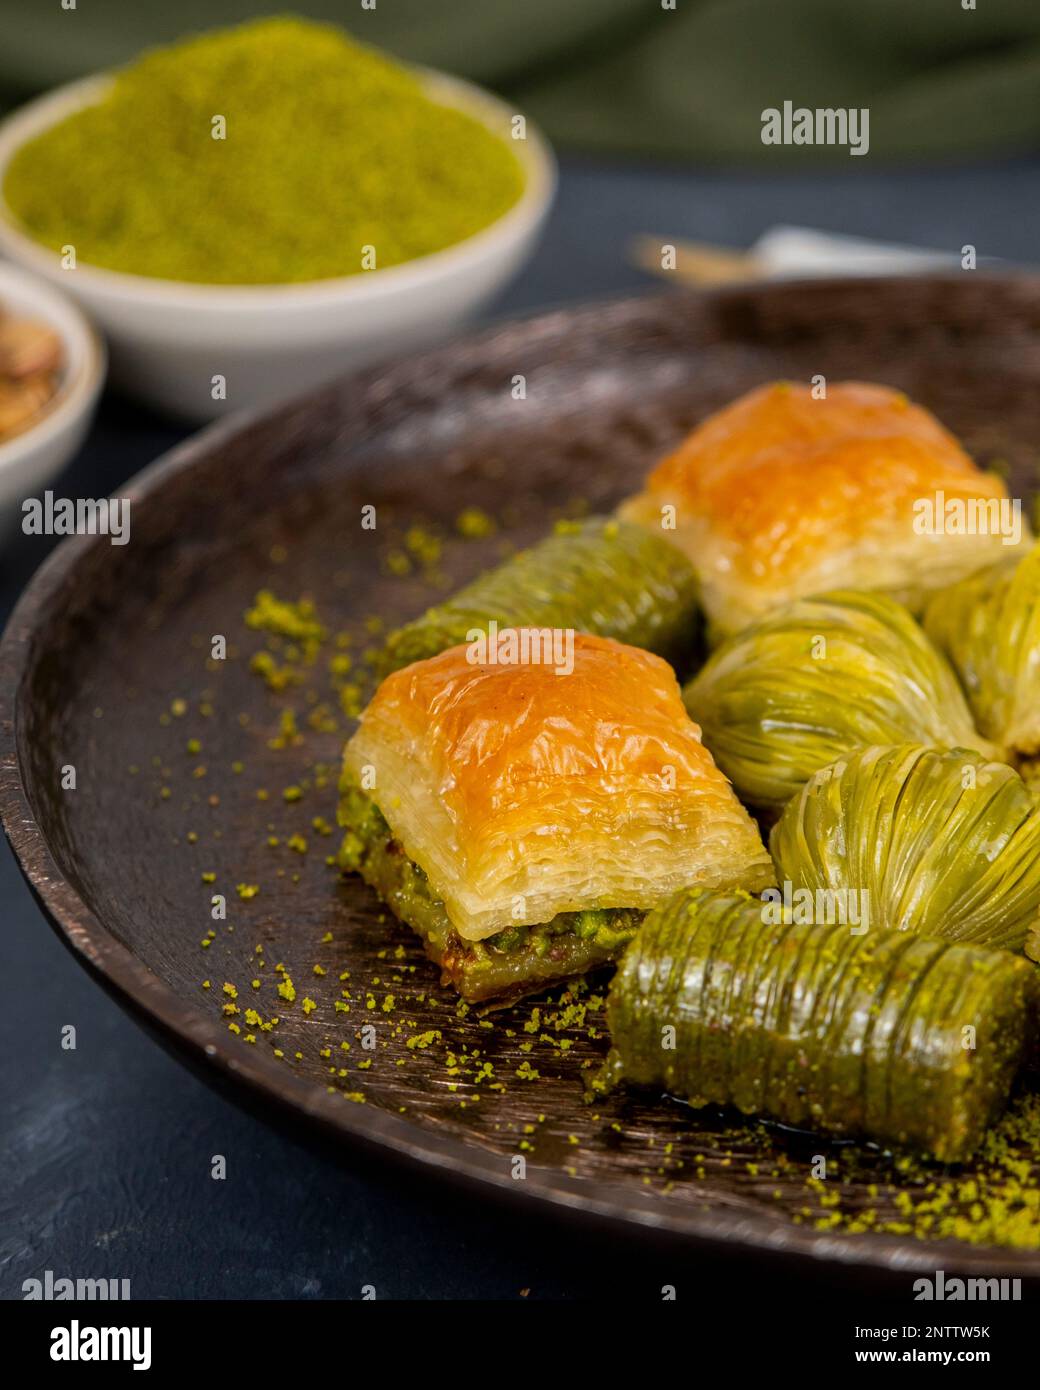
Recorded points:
(800, 251)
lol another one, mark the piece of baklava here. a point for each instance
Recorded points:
(522, 805)
(937, 841)
(783, 495)
(600, 575)
(822, 1028)
(815, 680)
(989, 627)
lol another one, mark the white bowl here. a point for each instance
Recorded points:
(168, 339)
(31, 459)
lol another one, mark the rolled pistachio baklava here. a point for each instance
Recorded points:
(787, 493)
(523, 817)
(601, 576)
(939, 842)
(816, 679)
(989, 627)
(904, 1040)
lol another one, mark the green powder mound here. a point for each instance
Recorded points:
(330, 148)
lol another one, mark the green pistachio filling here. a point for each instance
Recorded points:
(908, 1041)
(514, 962)
(600, 576)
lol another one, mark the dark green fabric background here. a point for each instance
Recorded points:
(631, 77)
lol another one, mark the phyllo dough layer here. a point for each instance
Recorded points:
(781, 495)
(523, 793)
(500, 969)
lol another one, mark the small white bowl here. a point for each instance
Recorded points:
(30, 459)
(168, 339)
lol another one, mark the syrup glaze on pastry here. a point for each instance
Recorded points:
(523, 794)
(781, 495)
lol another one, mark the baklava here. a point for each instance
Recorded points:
(522, 818)
(782, 495)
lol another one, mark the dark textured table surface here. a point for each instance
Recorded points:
(105, 1151)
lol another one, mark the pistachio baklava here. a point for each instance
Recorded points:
(989, 627)
(902, 1039)
(794, 490)
(522, 818)
(814, 680)
(941, 842)
(601, 576)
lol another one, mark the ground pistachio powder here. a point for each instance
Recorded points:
(328, 148)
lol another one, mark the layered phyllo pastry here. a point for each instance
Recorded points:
(788, 493)
(522, 806)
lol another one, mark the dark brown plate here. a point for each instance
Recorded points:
(106, 637)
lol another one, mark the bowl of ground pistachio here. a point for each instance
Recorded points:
(250, 211)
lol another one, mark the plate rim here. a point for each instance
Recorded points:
(185, 1024)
